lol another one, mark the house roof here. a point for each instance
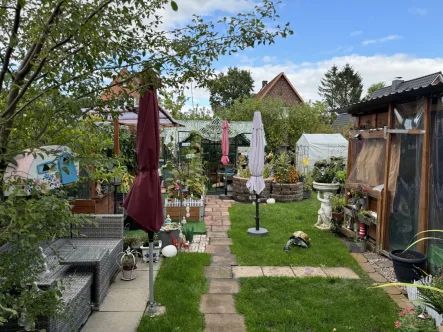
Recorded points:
(411, 91)
(265, 90)
(408, 85)
(341, 121)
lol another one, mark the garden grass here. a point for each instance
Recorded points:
(314, 304)
(281, 220)
(199, 227)
(179, 286)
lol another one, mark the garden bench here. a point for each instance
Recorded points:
(88, 259)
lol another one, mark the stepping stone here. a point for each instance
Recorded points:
(217, 304)
(222, 250)
(359, 257)
(218, 272)
(223, 260)
(224, 323)
(307, 271)
(340, 272)
(247, 271)
(221, 242)
(217, 234)
(392, 290)
(384, 264)
(277, 271)
(224, 286)
(402, 301)
(220, 228)
(367, 267)
(377, 277)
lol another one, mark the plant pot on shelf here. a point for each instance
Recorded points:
(408, 265)
(128, 275)
(339, 216)
(156, 251)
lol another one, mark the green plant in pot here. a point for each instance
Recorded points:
(338, 202)
(365, 216)
(128, 264)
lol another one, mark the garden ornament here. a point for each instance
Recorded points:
(325, 211)
(168, 220)
(300, 239)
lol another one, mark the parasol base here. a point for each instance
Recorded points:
(260, 232)
(225, 197)
(160, 310)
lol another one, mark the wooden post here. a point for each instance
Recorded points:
(384, 221)
(116, 138)
(424, 183)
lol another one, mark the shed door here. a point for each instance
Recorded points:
(68, 172)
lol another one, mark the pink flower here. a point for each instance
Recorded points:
(397, 324)
(408, 310)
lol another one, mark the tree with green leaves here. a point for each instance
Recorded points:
(56, 58)
(224, 89)
(374, 87)
(340, 88)
(283, 125)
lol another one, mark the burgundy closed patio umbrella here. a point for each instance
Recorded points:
(144, 201)
(225, 155)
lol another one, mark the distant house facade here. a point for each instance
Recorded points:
(280, 88)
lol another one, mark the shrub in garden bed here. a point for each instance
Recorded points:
(286, 187)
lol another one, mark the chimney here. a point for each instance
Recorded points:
(263, 84)
(396, 83)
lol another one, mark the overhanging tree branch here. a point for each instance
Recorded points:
(10, 48)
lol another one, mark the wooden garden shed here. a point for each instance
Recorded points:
(395, 153)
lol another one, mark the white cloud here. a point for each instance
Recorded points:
(306, 76)
(418, 11)
(268, 59)
(355, 33)
(381, 40)
(188, 8)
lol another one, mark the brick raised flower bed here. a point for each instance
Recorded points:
(241, 193)
(287, 192)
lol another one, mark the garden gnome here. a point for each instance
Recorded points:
(168, 220)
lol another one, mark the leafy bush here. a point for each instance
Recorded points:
(284, 172)
(326, 171)
(26, 223)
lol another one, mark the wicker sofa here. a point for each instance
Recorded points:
(85, 286)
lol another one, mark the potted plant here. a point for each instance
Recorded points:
(128, 264)
(338, 202)
(365, 216)
(133, 242)
(145, 248)
(408, 264)
(325, 174)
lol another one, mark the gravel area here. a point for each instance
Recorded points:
(383, 265)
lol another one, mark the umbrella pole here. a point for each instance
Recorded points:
(257, 214)
(152, 306)
(226, 183)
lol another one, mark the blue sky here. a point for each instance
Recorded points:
(381, 39)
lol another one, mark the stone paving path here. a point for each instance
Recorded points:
(218, 305)
(124, 304)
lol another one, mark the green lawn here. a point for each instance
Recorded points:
(281, 220)
(314, 304)
(303, 304)
(179, 286)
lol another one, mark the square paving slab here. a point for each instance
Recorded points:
(340, 272)
(277, 271)
(247, 271)
(217, 304)
(224, 286)
(224, 323)
(218, 272)
(308, 271)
